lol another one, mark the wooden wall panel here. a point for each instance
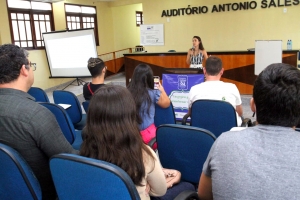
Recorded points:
(111, 66)
(238, 65)
(163, 60)
(234, 61)
(243, 88)
(119, 63)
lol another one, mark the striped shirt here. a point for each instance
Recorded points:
(196, 59)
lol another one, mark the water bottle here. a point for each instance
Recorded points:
(291, 45)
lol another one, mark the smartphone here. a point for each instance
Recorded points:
(156, 82)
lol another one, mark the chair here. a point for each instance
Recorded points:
(184, 148)
(85, 105)
(78, 177)
(17, 179)
(75, 111)
(73, 136)
(164, 115)
(39, 94)
(213, 115)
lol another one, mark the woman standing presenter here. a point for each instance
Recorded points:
(196, 54)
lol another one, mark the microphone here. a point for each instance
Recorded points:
(193, 48)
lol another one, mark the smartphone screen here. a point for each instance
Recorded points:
(156, 82)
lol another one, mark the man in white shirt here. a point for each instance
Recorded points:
(215, 89)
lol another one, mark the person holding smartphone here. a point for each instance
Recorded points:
(156, 82)
(196, 54)
(145, 96)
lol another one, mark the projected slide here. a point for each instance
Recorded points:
(69, 51)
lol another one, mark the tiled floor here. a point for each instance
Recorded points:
(119, 79)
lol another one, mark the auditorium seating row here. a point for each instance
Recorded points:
(215, 116)
(190, 143)
(77, 177)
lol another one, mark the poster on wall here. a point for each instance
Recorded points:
(152, 34)
(177, 87)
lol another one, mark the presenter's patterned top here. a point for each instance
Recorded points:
(196, 59)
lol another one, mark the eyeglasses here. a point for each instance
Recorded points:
(33, 65)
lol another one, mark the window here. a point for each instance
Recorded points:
(81, 17)
(139, 18)
(28, 20)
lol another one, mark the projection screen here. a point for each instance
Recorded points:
(68, 52)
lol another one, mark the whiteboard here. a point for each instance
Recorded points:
(152, 34)
(267, 52)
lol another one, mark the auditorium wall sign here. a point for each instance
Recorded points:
(247, 5)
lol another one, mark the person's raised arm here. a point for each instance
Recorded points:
(188, 56)
(163, 100)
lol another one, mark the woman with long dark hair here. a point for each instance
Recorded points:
(145, 96)
(112, 134)
(196, 54)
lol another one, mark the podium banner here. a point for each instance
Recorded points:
(177, 87)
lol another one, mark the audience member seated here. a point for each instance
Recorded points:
(25, 125)
(97, 69)
(215, 89)
(260, 162)
(145, 96)
(112, 134)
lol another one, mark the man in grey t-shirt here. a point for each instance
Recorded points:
(261, 162)
(25, 125)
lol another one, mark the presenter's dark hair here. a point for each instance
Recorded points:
(276, 94)
(213, 65)
(95, 66)
(112, 133)
(141, 81)
(201, 47)
(12, 58)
